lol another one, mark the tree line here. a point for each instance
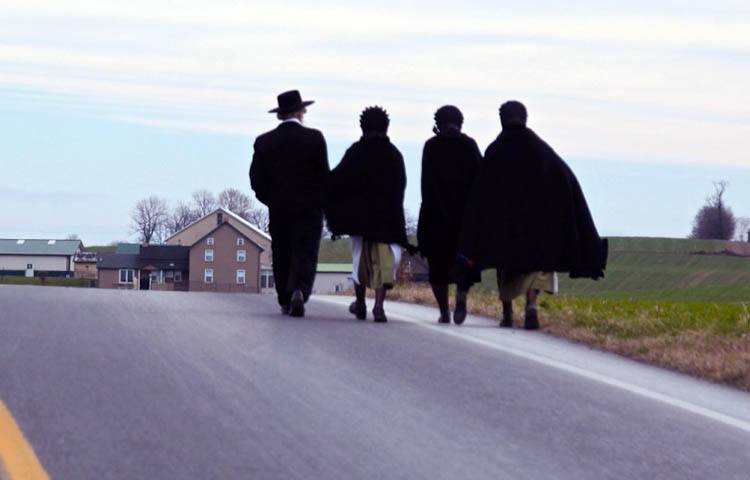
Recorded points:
(154, 221)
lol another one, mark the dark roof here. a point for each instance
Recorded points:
(116, 261)
(130, 248)
(165, 257)
(197, 242)
(12, 246)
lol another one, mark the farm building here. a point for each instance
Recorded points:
(85, 265)
(191, 234)
(332, 278)
(38, 258)
(121, 271)
(225, 260)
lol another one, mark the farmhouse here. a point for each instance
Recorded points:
(38, 258)
(225, 260)
(194, 232)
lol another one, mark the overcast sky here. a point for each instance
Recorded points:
(102, 103)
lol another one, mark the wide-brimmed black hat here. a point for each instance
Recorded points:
(289, 102)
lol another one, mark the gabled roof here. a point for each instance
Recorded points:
(116, 261)
(13, 246)
(227, 224)
(231, 214)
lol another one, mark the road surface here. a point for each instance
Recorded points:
(169, 385)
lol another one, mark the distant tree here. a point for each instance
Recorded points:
(72, 236)
(743, 226)
(180, 217)
(149, 218)
(235, 201)
(204, 202)
(411, 223)
(715, 220)
(258, 216)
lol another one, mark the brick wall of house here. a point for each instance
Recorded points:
(225, 263)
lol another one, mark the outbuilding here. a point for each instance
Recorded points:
(38, 258)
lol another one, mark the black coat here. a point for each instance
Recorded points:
(365, 194)
(449, 163)
(527, 212)
(289, 167)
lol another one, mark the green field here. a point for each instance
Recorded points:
(102, 248)
(49, 281)
(641, 268)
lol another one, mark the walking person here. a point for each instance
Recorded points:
(527, 215)
(365, 200)
(450, 160)
(288, 174)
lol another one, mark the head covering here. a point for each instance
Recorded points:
(290, 102)
(513, 114)
(449, 114)
(374, 119)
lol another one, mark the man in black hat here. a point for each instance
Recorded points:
(527, 215)
(288, 174)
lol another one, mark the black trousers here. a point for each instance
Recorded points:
(295, 240)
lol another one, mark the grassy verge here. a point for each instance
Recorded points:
(49, 281)
(708, 340)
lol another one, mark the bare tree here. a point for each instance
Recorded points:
(235, 201)
(180, 217)
(715, 220)
(258, 216)
(204, 202)
(743, 228)
(72, 236)
(149, 218)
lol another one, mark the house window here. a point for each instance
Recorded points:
(240, 241)
(209, 241)
(240, 277)
(266, 279)
(219, 218)
(29, 266)
(241, 255)
(208, 275)
(209, 255)
(178, 276)
(126, 275)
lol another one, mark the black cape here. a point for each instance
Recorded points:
(527, 212)
(365, 194)
(449, 162)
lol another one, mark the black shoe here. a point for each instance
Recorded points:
(297, 304)
(358, 309)
(507, 320)
(444, 318)
(531, 321)
(285, 309)
(459, 315)
(379, 315)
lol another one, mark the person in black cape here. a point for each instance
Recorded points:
(288, 174)
(527, 215)
(365, 200)
(450, 160)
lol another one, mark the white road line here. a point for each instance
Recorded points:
(644, 392)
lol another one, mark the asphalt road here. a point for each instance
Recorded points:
(147, 385)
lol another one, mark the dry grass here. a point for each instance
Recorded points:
(708, 340)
